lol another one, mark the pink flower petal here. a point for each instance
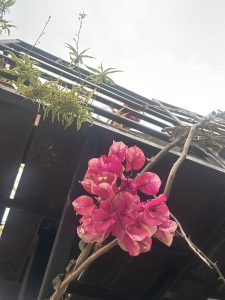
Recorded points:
(145, 244)
(93, 165)
(95, 227)
(103, 163)
(84, 205)
(101, 220)
(136, 231)
(124, 202)
(104, 176)
(135, 158)
(155, 202)
(134, 247)
(104, 190)
(149, 183)
(89, 237)
(107, 206)
(166, 232)
(153, 212)
(127, 244)
(150, 218)
(87, 182)
(128, 184)
(121, 221)
(117, 151)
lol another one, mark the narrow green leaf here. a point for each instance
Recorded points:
(70, 265)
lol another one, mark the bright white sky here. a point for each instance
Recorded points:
(172, 50)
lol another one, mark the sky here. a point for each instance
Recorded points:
(171, 50)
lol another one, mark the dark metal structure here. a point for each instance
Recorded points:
(39, 236)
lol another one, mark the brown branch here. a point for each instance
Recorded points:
(59, 293)
(83, 255)
(182, 157)
(212, 265)
(171, 145)
(172, 115)
(210, 154)
(81, 258)
(184, 152)
(167, 190)
(163, 152)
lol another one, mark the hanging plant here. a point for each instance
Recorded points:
(67, 105)
(5, 25)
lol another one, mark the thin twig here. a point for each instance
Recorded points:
(81, 17)
(210, 154)
(59, 293)
(41, 34)
(95, 248)
(81, 258)
(177, 164)
(183, 155)
(167, 190)
(163, 152)
(212, 265)
(181, 123)
(172, 115)
(171, 145)
(152, 162)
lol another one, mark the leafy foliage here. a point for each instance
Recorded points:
(209, 139)
(70, 265)
(101, 75)
(76, 57)
(5, 6)
(212, 137)
(67, 105)
(175, 131)
(57, 281)
(25, 69)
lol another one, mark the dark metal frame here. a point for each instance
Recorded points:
(107, 94)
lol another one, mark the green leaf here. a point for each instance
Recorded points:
(70, 265)
(82, 52)
(82, 245)
(72, 48)
(102, 76)
(77, 57)
(57, 281)
(5, 25)
(93, 70)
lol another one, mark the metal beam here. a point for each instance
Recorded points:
(33, 207)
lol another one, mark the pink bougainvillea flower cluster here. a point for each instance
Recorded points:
(115, 207)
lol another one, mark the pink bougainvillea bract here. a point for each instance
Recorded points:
(115, 207)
